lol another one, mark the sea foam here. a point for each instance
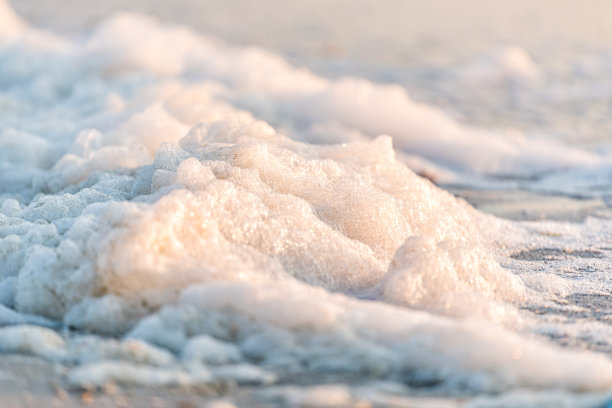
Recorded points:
(142, 196)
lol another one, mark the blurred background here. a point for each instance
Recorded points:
(541, 66)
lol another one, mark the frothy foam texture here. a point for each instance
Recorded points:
(142, 196)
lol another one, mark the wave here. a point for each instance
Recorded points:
(143, 196)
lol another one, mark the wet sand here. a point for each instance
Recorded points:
(31, 382)
(533, 206)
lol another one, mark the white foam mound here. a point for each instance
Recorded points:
(449, 276)
(507, 66)
(108, 372)
(243, 203)
(278, 92)
(27, 339)
(141, 196)
(332, 333)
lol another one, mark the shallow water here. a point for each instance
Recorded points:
(177, 210)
